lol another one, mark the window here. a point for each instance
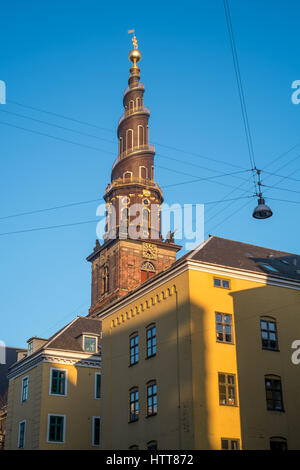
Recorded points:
(278, 443)
(227, 393)
(151, 340)
(24, 395)
(274, 393)
(56, 428)
(127, 176)
(30, 347)
(230, 444)
(58, 383)
(269, 334)
(223, 283)
(147, 271)
(21, 437)
(152, 445)
(151, 398)
(133, 404)
(268, 267)
(96, 431)
(90, 344)
(105, 280)
(224, 327)
(124, 222)
(97, 385)
(134, 348)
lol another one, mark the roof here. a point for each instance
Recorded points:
(233, 254)
(67, 338)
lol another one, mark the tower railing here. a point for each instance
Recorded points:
(126, 181)
(137, 109)
(134, 87)
(132, 150)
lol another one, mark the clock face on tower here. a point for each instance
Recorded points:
(149, 251)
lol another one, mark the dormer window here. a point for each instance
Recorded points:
(30, 347)
(90, 344)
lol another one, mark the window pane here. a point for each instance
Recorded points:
(224, 444)
(217, 282)
(222, 378)
(96, 437)
(272, 326)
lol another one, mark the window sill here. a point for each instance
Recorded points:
(149, 357)
(270, 349)
(132, 421)
(228, 404)
(225, 342)
(56, 395)
(134, 364)
(150, 416)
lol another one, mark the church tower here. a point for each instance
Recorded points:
(133, 248)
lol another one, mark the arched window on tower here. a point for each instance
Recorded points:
(121, 149)
(105, 280)
(124, 222)
(146, 219)
(141, 140)
(138, 103)
(127, 176)
(143, 172)
(129, 142)
(147, 271)
(131, 105)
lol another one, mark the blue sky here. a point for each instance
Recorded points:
(71, 58)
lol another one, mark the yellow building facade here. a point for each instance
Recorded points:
(200, 356)
(54, 392)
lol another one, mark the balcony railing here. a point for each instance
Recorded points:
(134, 87)
(139, 148)
(126, 181)
(138, 109)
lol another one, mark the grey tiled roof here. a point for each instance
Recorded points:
(233, 254)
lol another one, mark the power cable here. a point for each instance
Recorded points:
(240, 88)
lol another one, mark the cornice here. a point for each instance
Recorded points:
(55, 356)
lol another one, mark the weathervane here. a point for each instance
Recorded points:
(134, 39)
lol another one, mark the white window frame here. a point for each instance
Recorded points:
(95, 386)
(21, 422)
(66, 383)
(22, 387)
(143, 139)
(93, 431)
(90, 336)
(64, 429)
(30, 348)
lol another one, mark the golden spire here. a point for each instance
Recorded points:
(134, 55)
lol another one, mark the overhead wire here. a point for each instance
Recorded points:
(240, 89)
